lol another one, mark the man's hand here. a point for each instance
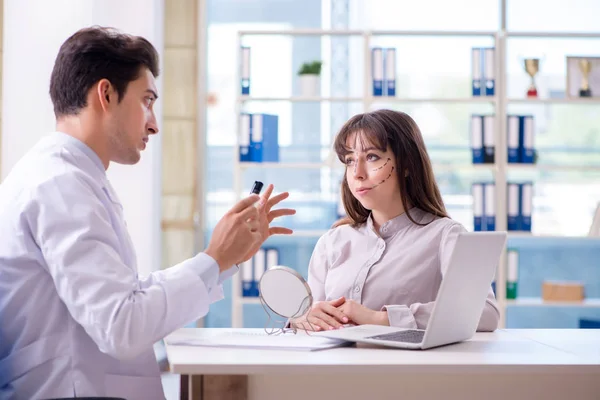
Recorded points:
(266, 216)
(360, 315)
(236, 234)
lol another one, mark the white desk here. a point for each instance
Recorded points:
(506, 364)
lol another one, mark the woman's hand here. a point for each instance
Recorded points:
(323, 315)
(361, 315)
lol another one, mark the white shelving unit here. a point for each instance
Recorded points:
(499, 169)
(537, 301)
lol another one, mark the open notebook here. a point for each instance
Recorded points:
(256, 339)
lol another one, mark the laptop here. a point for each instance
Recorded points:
(459, 303)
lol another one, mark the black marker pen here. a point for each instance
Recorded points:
(257, 187)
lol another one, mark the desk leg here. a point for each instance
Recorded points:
(214, 387)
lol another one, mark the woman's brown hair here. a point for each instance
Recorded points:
(397, 131)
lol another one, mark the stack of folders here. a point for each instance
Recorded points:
(512, 276)
(520, 139)
(383, 71)
(483, 138)
(245, 69)
(519, 206)
(483, 71)
(253, 269)
(259, 138)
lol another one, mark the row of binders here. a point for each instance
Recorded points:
(512, 274)
(519, 206)
(253, 269)
(383, 65)
(482, 71)
(520, 139)
(259, 138)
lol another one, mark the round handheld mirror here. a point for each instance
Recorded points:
(285, 292)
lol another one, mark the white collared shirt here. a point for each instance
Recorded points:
(75, 317)
(399, 270)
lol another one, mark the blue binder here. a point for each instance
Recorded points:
(489, 65)
(390, 72)
(264, 138)
(489, 139)
(476, 70)
(489, 210)
(477, 138)
(245, 70)
(244, 138)
(247, 280)
(527, 141)
(377, 70)
(513, 206)
(513, 127)
(259, 264)
(478, 206)
(526, 206)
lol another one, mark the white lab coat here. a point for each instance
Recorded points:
(75, 319)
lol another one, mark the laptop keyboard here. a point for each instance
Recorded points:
(409, 336)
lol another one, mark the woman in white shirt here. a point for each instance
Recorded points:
(384, 263)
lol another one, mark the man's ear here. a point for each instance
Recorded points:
(105, 93)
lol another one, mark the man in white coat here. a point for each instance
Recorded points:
(75, 318)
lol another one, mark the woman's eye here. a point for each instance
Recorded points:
(372, 157)
(149, 101)
(349, 161)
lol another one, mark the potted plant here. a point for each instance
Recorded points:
(309, 78)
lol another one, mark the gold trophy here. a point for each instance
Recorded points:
(585, 66)
(532, 66)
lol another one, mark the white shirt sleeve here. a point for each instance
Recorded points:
(123, 315)
(317, 270)
(417, 315)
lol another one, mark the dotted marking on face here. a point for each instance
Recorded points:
(388, 177)
(386, 163)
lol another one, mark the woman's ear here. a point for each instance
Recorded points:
(405, 173)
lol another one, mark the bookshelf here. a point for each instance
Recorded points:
(499, 169)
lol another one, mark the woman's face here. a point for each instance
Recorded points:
(371, 174)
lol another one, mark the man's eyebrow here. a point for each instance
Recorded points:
(153, 93)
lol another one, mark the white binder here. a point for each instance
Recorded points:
(489, 212)
(247, 283)
(272, 258)
(476, 73)
(526, 206)
(245, 70)
(477, 139)
(478, 204)
(377, 71)
(489, 139)
(528, 140)
(259, 268)
(390, 72)
(512, 139)
(489, 78)
(513, 207)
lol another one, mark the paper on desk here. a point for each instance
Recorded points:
(253, 340)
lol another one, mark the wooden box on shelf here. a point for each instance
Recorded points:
(562, 291)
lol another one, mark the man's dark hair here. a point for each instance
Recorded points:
(96, 53)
